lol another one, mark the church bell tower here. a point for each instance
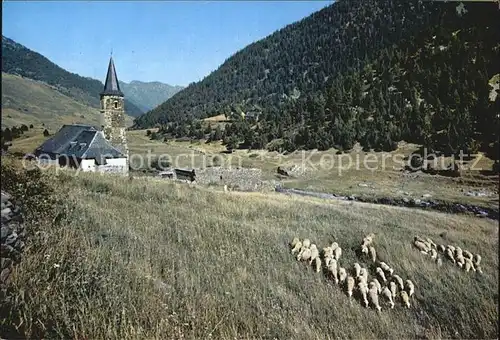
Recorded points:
(113, 111)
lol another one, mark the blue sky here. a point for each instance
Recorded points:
(169, 41)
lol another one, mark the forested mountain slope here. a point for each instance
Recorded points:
(374, 71)
(148, 95)
(19, 60)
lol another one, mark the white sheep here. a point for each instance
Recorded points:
(297, 247)
(377, 283)
(434, 254)
(317, 264)
(357, 270)
(478, 269)
(363, 290)
(373, 293)
(363, 276)
(468, 255)
(469, 265)
(388, 294)
(421, 246)
(460, 260)
(449, 255)
(364, 250)
(393, 289)
(327, 260)
(337, 253)
(405, 298)
(350, 285)
(381, 274)
(441, 248)
(306, 243)
(452, 248)
(327, 252)
(332, 268)
(368, 239)
(294, 242)
(314, 253)
(334, 246)
(304, 254)
(477, 260)
(399, 281)
(411, 287)
(418, 238)
(373, 254)
(386, 267)
(431, 243)
(342, 274)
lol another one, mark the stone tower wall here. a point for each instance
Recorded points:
(113, 113)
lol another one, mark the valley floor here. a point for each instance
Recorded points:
(145, 258)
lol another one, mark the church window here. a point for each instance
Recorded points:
(116, 104)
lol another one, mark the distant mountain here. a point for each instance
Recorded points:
(27, 101)
(373, 71)
(19, 60)
(148, 95)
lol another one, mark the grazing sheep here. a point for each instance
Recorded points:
(380, 273)
(399, 281)
(338, 253)
(327, 252)
(306, 243)
(314, 253)
(373, 254)
(386, 267)
(388, 294)
(317, 264)
(469, 265)
(364, 250)
(405, 298)
(411, 287)
(379, 287)
(334, 246)
(441, 248)
(332, 268)
(327, 260)
(421, 246)
(297, 247)
(363, 276)
(304, 255)
(449, 255)
(431, 243)
(477, 260)
(452, 248)
(363, 290)
(342, 274)
(468, 255)
(357, 270)
(434, 254)
(478, 269)
(294, 242)
(373, 293)
(368, 239)
(460, 260)
(350, 285)
(393, 288)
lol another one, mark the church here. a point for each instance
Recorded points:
(88, 148)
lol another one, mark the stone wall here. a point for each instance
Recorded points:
(12, 237)
(244, 179)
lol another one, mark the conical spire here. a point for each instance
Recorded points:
(111, 86)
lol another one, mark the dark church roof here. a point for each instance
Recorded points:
(111, 85)
(80, 141)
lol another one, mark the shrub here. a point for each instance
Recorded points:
(46, 133)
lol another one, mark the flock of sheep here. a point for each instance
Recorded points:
(392, 287)
(462, 258)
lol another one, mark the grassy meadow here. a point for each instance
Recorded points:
(146, 258)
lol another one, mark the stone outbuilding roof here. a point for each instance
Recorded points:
(79, 141)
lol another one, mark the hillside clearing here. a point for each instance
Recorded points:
(153, 259)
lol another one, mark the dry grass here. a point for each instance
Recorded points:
(152, 259)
